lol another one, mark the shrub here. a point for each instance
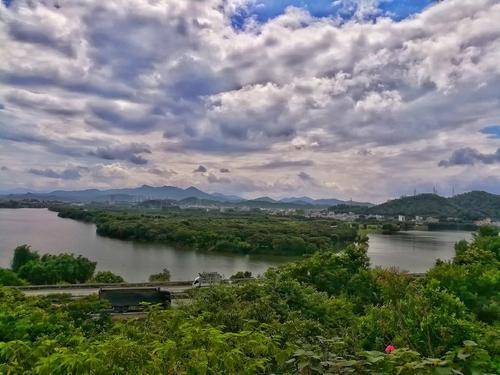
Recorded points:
(107, 277)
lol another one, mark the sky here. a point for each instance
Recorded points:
(361, 99)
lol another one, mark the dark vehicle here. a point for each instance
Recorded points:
(131, 299)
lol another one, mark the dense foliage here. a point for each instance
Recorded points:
(328, 313)
(9, 277)
(29, 267)
(479, 201)
(245, 234)
(53, 269)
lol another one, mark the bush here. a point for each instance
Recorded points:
(241, 275)
(10, 278)
(161, 276)
(107, 277)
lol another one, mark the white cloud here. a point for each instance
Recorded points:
(87, 76)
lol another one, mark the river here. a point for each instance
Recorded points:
(414, 251)
(135, 261)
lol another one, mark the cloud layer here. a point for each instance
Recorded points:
(363, 106)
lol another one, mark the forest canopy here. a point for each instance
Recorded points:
(244, 234)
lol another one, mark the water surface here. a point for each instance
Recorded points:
(414, 251)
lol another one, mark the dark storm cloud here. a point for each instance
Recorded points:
(130, 152)
(470, 156)
(200, 169)
(4, 168)
(65, 174)
(277, 164)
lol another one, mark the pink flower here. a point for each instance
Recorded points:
(389, 348)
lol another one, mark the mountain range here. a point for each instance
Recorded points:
(146, 192)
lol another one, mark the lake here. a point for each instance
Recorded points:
(135, 261)
(414, 251)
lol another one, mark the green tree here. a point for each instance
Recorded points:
(51, 269)
(22, 255)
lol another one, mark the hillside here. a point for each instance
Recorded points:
(467, 206)
(480, 202)
(421, 205)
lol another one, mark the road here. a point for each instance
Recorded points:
(81, 292)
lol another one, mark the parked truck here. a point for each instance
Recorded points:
(132, 299)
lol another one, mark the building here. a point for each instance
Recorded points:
(401, 218)
(486, 221)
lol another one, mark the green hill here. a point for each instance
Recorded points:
(467, 206)
(479, 202)
(421, 205)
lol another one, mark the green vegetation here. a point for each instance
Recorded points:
(53, 269)
(329, 313)
(480, 202)
(226, 233)
(107, 277)
(161, 276)
(241, 275)
(389, 228)
(28, 267)
(9, 277)
(468, 206)
(22, 203)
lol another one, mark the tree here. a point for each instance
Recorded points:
(162, 276)
(107, 277)
(51, 269)
(22, 255)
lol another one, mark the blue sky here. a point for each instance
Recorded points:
(265, 10)
(493, 131)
